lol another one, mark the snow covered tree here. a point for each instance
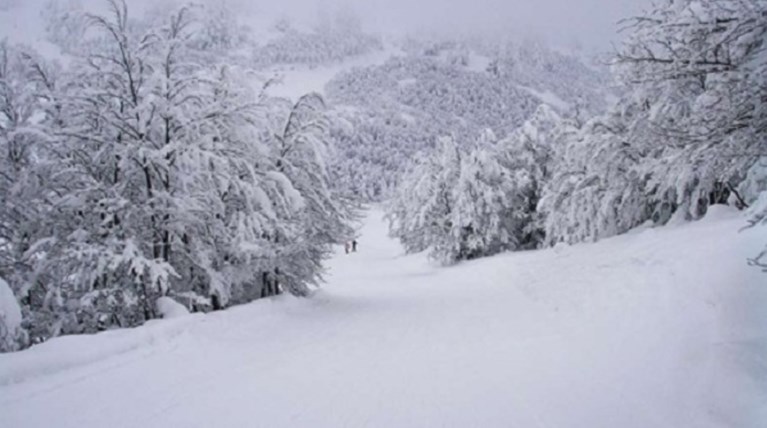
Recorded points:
(483, 211)
(464, 205)
(323, 220)
(439, 207)
(419, 215)
(440, 87)
(685, 134)
(150, 170)
(324, 45)
(528, 153)
(114, 224)
(500, 185)
(698, 67)
(595, 190)
(30, 174)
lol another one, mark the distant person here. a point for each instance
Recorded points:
(354, 246)
(346, 247)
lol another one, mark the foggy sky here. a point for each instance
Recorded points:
(592, 23)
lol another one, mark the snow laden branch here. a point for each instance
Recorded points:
(688, 132)
(469, 203)
(151, 169)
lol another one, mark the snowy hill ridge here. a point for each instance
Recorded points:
(660, 327)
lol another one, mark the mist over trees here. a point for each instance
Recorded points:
(457, 88)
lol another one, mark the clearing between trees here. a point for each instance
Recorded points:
(658, 327)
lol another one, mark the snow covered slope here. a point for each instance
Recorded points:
(25, 22)
(297, 80)
(657, 328)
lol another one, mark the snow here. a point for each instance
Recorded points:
(660, 328)
(720, 212)
(10, 312)
(169, 308)
(479, 63)
(22, 23)
(70, 354)
(298, 80)
(296, 200)
(9, 307)
(547, 97)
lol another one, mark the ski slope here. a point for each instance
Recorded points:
(658, 328)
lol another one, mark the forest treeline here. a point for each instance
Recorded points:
(150, 167)
(687, 131)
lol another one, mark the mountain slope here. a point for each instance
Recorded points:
(659, 327)
(459, 88)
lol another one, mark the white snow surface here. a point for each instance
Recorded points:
(547, 97)
(169, 308)
(665, 327)
(10, 312)
(294, 81)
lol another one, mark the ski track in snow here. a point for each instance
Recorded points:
(657, 328)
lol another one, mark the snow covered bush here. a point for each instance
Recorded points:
(149, 169)
(169, 308)
(476, 202)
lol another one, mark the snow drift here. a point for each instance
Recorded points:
(660, 327)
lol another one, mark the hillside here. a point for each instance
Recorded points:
(390, 97)
(661, 327)
(390, 112)
(541, 243)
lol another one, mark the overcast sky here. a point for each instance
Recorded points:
(591, 22)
